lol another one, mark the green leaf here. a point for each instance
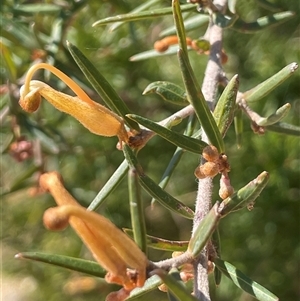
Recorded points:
(238, 127)
(217, 246)
(75, 264)
(225, 108)
(245, 196)
(262, 23)
(150, 54)
(162, 244)
(180, 30)
(196, 98)
(204, 231)
(39, 8)
(175, 284)
(101, 85)
(275, 117)
(194, 93)
(136, 210)
(142, 15)
(190, 24)
(176, 156)
(284, 128)
(175, 274)
(151, 284)
(154, 190)
(244, 282)
(270, 84)
(168, 91)
(109, 186)
(139, 8)
(185, 142)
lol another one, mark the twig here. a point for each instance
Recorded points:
(205, 186)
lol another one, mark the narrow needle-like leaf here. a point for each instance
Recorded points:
(176, 156)
(189, 24)
(194, 93)
(142, 15)
(151, 284)
(75, 264)
(178, 20)
(284, 128)
(196, 98)
(244, 282)
(154, 190)
(275, 117)
(185, 142)
(217, 245)
(138, 9)
(168, 91)
(136, 210)
(262, 22)
(225, 108)
(175, 285)
(270, 84)
(101, 85)
(33, 8)
(109, 186)
(204, 231)
(238, 127)
(150, 54)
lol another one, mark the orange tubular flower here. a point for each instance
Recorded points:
(114, 250)
(95, 117)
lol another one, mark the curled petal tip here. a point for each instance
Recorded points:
(30, 102)
(55, 219)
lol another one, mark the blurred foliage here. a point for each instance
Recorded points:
(263, 243)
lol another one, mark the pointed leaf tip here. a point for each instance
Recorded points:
(264, 88)
(246, 196)
(243, 282)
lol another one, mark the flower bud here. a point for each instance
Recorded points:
(226, 190)
(210, 153)
(208, 169)
(30, 102)
(55, 220)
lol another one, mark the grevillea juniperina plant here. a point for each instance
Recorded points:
(124, 256)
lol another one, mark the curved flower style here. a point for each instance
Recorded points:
(125, 263)
(95, 117)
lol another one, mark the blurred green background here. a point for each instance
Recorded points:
(263, 243)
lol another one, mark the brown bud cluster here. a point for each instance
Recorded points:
(216, 163)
